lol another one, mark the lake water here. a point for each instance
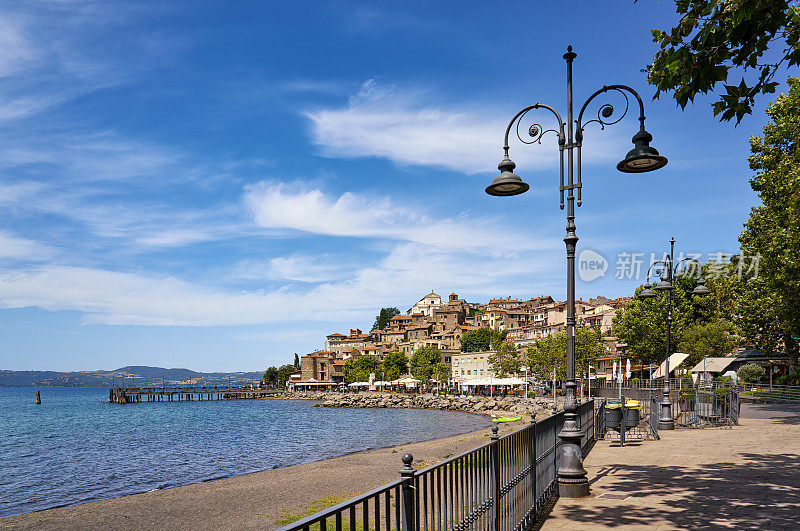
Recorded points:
(75, 447)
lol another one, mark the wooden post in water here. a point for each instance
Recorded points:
(38, 398)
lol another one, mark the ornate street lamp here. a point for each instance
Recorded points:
(642, 158)
(668, 274)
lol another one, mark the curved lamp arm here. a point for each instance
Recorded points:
(605, 111)
(650, 269)
(688, 259)
(675, 269)
(524, 111)
(537, 134)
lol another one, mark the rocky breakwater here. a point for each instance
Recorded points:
(493, 406)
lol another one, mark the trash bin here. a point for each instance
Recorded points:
(633, 410)
(613, 414)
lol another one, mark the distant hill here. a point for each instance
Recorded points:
(131, 376)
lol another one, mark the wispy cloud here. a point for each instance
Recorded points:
(409, 127)
(116, 298)
(14, 247)
(276, 206)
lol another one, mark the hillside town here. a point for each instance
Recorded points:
(437, 322)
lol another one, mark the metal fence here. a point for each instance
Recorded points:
(692, 407)
(502, 485)
(756, 391)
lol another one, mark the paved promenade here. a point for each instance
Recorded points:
(742, 478)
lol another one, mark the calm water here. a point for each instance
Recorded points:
(75, 447)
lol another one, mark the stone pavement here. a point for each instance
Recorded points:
(747, 477)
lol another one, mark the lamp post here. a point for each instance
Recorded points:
(642, 158)
(668, 274)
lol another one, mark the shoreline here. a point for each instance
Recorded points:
(257, 499)
(68, 514)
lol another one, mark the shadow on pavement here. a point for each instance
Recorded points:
(763, 493)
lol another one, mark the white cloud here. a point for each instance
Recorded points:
(117, 298)
(275, 206)
(22, 249)
(405, 127)
(298, 268)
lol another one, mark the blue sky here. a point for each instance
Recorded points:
(219, 185)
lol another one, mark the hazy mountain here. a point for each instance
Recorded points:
(132, 376)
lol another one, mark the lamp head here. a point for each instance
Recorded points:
(701, 288)
(647, 293)
(642, 157)
(507, 183)
(664, 285)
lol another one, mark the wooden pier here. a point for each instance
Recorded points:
(131, 395)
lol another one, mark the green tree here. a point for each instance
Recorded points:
(270, 376)
(383, 318)
(750, 373)
(358, 369)
(714, 339)
(395, 364)
(642, 323)
(547, 358)
(284, 371)
(588, 347)
(423, 362)
(505, 360)
(482, 339)
(296, 361)
(441, 372)
(550, 353)
(769, 297)
(714, 38)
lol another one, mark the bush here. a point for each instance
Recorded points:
(688, 392)
(750, 373)
(789, 379)
(719, 396)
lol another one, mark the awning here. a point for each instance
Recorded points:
(674, 360)
(713, 365)
(493, 381)
(359, 384)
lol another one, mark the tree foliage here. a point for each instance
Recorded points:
(714, 38)
(383, 318)
(750, 373)
(713, 339)
(769, 301)
(423, 362)
(505, 360)
(441, 372)
(642, 323)
(270, 376)
(284, 371)
(482, 339)
(358, 369)
(395, 364)
(551, 352)
(296, 361)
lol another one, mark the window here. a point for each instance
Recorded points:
(469, 371)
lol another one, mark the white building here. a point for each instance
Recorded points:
(470, 365)
(426, 305)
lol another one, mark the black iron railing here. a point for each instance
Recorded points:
(502, 485)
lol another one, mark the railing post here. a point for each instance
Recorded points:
(533, 462)
(407, 493)
(495, 480)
